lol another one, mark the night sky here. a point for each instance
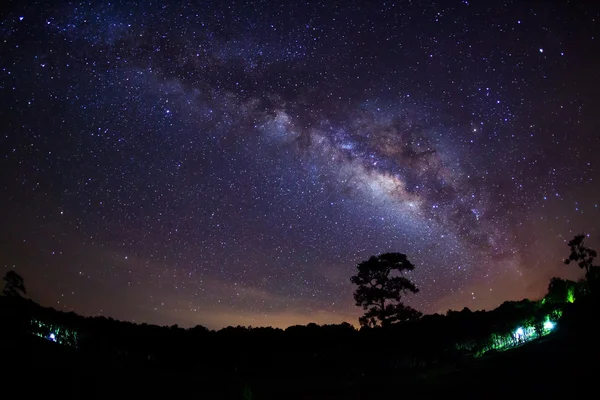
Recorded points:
(230, 164)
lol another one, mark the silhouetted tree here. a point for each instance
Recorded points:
(14, 285)
(538, 319)
(581, 254)
(198, 330)
(561, 291)
(381, 294)
(247, 393)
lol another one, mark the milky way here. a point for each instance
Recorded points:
(225, 164)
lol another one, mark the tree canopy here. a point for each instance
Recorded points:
(581, 254)
(561, 291)
(14, 285)
(380, 294)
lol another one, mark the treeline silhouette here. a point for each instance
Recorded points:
(306, 350)
(304, 359)
(321, 356)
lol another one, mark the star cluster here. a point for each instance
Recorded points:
(222, 163)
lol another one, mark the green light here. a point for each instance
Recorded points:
(55, 333)
(571, 295)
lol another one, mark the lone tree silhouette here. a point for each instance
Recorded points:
(381, 294)
(14, 285)
(581, 254)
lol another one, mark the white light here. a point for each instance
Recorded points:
(52, 337)
(520, 332)
(541, 50)
(548, 325)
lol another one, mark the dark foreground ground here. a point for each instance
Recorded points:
(556, 366)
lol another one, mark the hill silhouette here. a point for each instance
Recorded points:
(535, 347)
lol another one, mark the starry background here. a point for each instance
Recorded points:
(227, 163)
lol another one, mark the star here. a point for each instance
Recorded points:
(232, 165)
